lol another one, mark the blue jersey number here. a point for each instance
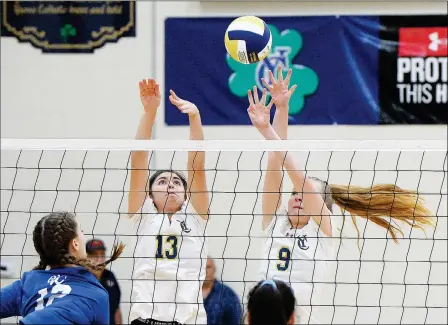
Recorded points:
(284, 255)
(170, 253)
(58, 291)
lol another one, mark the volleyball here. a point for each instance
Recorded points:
(248, 39)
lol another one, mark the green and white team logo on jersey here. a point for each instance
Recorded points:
(285, 47)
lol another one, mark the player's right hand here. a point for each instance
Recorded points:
(149, 95)
(279, 88)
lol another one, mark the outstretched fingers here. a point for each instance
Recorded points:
(288, 77)
(174, 95)
(272, 78)
(256, 98)
(250, 97)
(174, 99)
(279, 74)
(265, 83)
(256, 103)
(271, 102)
(263, 97)
(292, 90)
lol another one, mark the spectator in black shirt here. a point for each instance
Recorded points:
(96, 251)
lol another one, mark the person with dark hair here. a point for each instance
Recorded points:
(271, 302)
(171, 250)
(62, 288)
(96, 252)
(298, 239)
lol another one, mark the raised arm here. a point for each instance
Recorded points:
(272, 191)
(197, 184)
(314, 204)
(150, 96)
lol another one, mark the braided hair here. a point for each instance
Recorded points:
(52, 236)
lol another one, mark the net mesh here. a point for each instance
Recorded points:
(372, 279)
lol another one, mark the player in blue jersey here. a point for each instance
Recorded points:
(63, 288)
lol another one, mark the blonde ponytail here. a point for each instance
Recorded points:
(381, 204)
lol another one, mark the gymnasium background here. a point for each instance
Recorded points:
(96, 95)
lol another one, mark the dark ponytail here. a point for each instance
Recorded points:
(271, 303)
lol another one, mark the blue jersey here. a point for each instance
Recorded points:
(69, 295)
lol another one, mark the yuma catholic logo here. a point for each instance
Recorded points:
(285, 47)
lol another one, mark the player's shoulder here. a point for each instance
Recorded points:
(228, 291)
(76, 275)
(147, 208)
(146, 212)
(35, 276)
(277, 224)
(189, 212)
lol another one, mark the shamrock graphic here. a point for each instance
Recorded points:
(285, 47)
(66, 31)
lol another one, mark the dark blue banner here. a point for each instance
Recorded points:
(334, 62)
(345, 68)
(68, 26)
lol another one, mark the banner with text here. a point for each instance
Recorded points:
(349, 69)
(413, 70)
(68, 26)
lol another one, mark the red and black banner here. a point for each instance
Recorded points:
(413, 72)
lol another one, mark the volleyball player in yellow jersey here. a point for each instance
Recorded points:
(170, 212)
(298, 240)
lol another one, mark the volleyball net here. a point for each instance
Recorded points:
(372, 279)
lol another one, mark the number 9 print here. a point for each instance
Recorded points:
(284, 255)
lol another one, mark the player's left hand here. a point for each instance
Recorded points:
(259, 113)
(279, 88)
(184, 106)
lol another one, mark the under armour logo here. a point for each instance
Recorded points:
(436, 41)
(184, 227)
(55, 279)
(302, 242)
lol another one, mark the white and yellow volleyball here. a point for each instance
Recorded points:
(248, 39)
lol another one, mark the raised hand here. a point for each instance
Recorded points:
(184, 106)
(259, 113)
(149, 95)
(279, 88)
